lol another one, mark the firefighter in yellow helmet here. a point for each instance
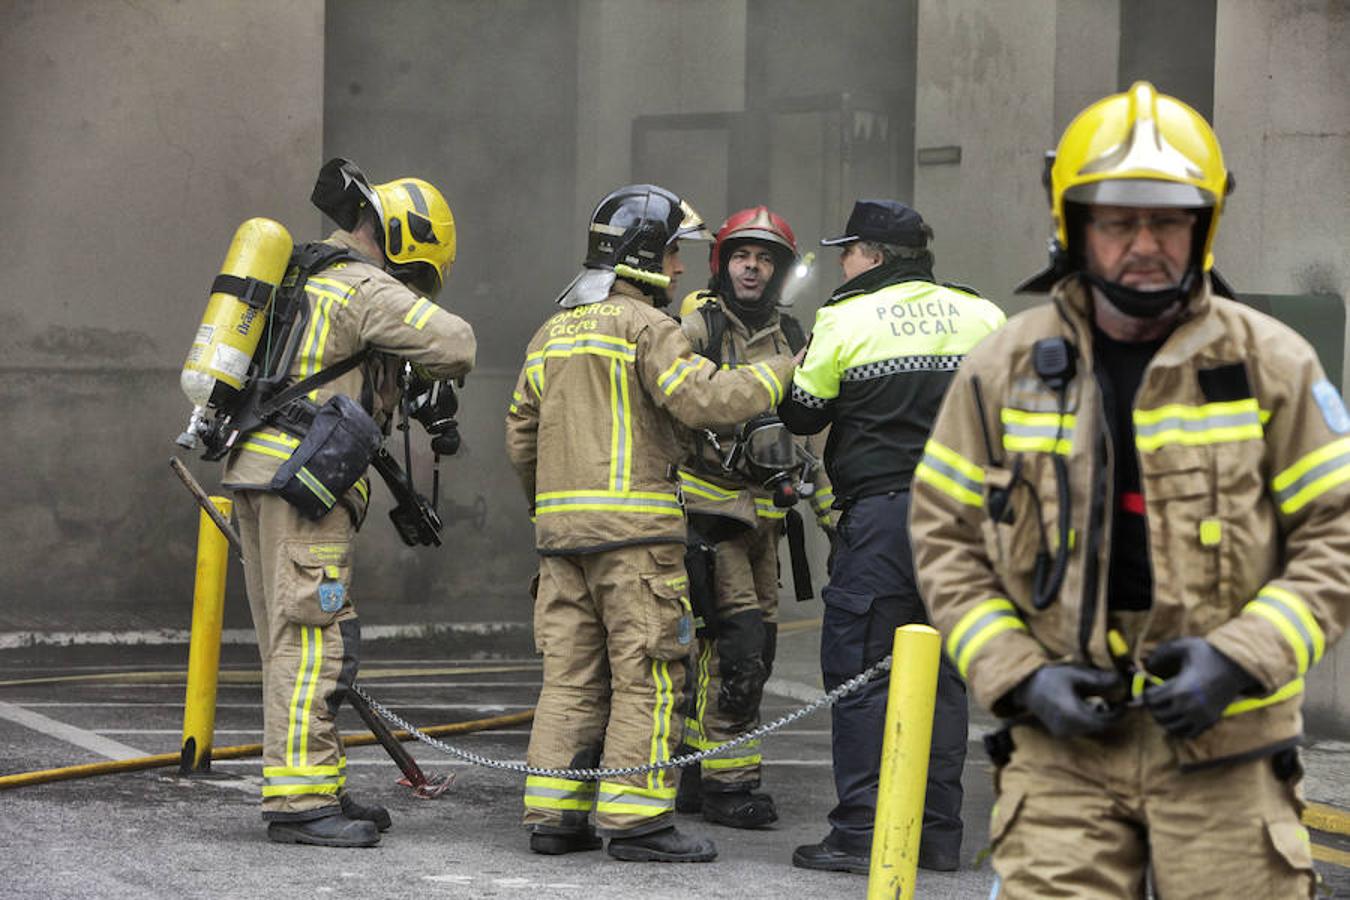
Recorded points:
(738, 511)
(1130, 525)
(594, 430)
(367, 306)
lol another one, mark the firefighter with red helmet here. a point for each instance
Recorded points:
(734, 522)
(594, 430)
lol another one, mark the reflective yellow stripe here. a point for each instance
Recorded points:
(663, 711)
(301, 671)
(558, 793)
(978, 626)
(679, 370)
(1312, 476)
(316, 487)
(947, 471)
(320, 286)
(262, 445)
(1294, 620)
(627, 798)
(1036, 432)
(701, 694)
(765, 509)
(719, 763)
(302, 771)
(1292, 689)
(696, 486)
(621, 429)
(363, 488)
(1210, 423)
(770, 381)
(645, 502)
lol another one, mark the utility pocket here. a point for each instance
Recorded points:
(332, 457)
(1179, 494)
(669, 617)
(1292, 845)
(843, 646)
(314, 581)
(1002, 816)
(1014, 521)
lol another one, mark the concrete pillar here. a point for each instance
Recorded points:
(1282, 114)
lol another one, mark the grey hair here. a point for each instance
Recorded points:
(889, 253)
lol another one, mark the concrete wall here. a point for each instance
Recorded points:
(136, 137)
(1282, 113)
(996, 81)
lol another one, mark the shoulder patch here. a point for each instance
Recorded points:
(1332, 406)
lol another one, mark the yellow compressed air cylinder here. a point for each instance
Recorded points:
(232, 326)
(208, 613)
(904, 763)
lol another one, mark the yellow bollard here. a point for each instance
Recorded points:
(208, 611)
(904, 763)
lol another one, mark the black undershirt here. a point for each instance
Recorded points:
(1120, 370)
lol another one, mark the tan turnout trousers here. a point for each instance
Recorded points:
(1087, 818)
(615, 630)
(746, 573)
(298, 575)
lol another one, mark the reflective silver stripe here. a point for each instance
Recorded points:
(415, 193)
(634, 798)
(675, 376)
(973, 630)
(1284, 495)
(276, 780)
(585, 792)
(1038, 432)
(900, 364)
(1195, 426)
(807, 399)
(608, 499)
(951, 472)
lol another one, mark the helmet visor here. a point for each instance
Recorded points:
(1139, 192)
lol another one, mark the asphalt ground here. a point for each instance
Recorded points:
(151, 834)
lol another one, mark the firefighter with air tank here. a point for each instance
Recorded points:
(295, 376)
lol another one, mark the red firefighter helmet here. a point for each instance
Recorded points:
(753, 224)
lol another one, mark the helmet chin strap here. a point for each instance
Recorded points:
(1144, 304)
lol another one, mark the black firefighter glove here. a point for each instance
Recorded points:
(1069, 700)
(1199, 683)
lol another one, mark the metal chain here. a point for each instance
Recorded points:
(842, 690)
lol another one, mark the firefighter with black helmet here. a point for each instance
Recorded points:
(372, 304)
(734, 523)
(594, 430)
(1130, 526)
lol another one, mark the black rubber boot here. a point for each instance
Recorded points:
(689, 794)
(666, 845)
(739, 809)
(370, 813)
(569, 842)
(331, 831)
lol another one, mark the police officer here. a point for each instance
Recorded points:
(734, 523)
(376, 298)
(595, 432)
(1130, 526)
(883, 350)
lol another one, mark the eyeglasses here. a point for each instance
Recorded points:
(1163, 225)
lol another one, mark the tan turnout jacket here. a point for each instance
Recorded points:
(1245, 489)
(595, 427)
(354, 305)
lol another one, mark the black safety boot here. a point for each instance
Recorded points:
(370, 813)
(739, 809)
(331, 831)
(666, 845)
(555, 844)
(826, 858)
(689, 794)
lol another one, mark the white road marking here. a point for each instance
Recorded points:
(86, 740)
